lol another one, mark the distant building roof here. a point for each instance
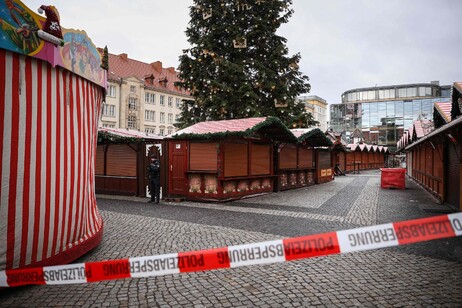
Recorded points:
(152, 74)
(312, 98)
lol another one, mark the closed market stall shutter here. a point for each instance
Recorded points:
(235, 159)
(438, 168)
(99, 162)
(428, 160)
(121, 160)
(453, 174)
(342, 161)
(203, 156)
(324, 160)
(260, 160)
(350, 158)
(305, 158)
(288, 157)
(364, 159)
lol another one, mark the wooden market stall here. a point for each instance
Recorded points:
(122, 158)
(435, 159)
(363, 157)
(353, 158)
(316, 140)
(224, 160)
(338, 152)
(49, 109)
(296, 163)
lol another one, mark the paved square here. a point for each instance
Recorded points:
(419, 275)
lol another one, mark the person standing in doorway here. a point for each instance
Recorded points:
(154, 179)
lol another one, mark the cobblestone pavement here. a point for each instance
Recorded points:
(419, 275)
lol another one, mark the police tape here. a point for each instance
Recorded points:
(359, 239)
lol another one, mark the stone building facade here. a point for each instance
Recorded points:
(141, 96)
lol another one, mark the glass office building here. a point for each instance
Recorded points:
(382, 114)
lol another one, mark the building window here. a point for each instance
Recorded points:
(150, 115)
(162, 100)
(169, 131)
(131, 121)
(162, 117)
(368, 95)
(411, 92)
(425, 91)
(132, 103)
(111, 91)
(170, 101)
(150, 98)
(170, 118)
(108, 110)
(108, 125)
(161, 131)
(387, 93)
(150, 130)
(132, 89)
(402, 92)
(177, 116)
(177, 103)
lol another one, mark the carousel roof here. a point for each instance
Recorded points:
(268, 127)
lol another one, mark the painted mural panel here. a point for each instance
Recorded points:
(25, 32)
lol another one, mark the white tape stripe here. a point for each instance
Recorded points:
(256, 253)
(367, 238)
(154, 265)
(456, 222)
(65, 274)
(3, 282)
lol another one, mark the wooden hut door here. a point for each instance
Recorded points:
(177, 167)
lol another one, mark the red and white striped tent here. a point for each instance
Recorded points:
(49, 109)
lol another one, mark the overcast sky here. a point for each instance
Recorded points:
(344, 44)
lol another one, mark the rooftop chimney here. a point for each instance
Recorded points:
(123, 56)
(157, 66)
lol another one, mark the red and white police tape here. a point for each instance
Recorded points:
(366, 238)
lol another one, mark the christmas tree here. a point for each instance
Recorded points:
(237, 66)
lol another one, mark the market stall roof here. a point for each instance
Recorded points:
(313, 137)
(268, 127)
(442, 130)
(422, 127)
(119, 135)
(458, 86)
(367, 148)
(444, 109)
(353, 146)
